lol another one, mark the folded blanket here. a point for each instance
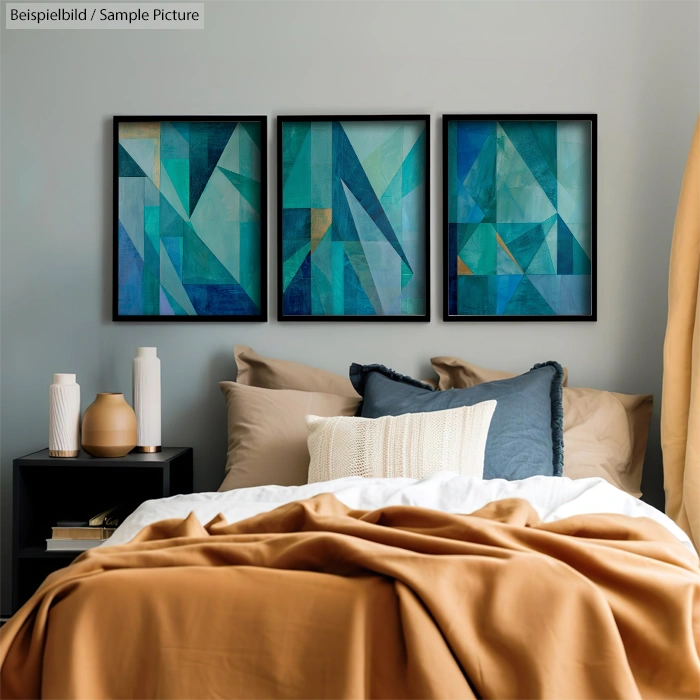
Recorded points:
(313, 600)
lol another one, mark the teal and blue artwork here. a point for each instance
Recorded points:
(190, 219)
(352, 218)
(520, 217)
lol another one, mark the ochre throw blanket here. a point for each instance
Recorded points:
(313, 600)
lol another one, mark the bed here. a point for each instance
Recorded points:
(452, 585)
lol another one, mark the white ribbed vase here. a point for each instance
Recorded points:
(146, 387)
(64, 416)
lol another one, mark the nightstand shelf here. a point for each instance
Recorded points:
(41, 553)
(48, 489)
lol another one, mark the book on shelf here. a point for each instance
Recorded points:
(81, 533)
(71, 545)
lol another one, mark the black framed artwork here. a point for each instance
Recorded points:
(353, 218)
(520, 207)
(190, 218)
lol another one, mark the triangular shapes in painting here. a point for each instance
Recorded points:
(322, 274)
(546, 134)
(479, 251)
(207, 142)
(173, 248)
(525, 246)
(249, 189)
(128, 167)
(548, 287)
(131, 209)
(505, 287)
(217, 221)
(541, 263)
(520, 197)
(320, 222)
(408, 176)
(366, 228)
(356, 302)
(527, 301)
(170, 222)
(241, 155)
(505, 265)
(297, 296)
(293, 263)
(355, 252)
(173, 143)
(143, 153)
(347, 167)
(384, 162)
(551, 241)
(542, 165)
(130, 300)
(413, 296)
(296, 138)
(571, 258)
(344, 228)
(469, 145)
(177, 309)
(175, 185)
(368, 142)
(480, 180)
(464, 208)
(200, 265)
(165, 308)
(171, 282)
(253, 130)
(463, 268)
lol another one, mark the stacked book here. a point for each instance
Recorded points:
(77, 539)
(79, 535)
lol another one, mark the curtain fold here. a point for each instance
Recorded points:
(680, 405)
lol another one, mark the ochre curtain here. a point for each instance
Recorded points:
(680, 406)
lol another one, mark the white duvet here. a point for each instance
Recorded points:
(553, 498)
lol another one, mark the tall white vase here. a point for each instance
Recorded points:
(64, 416)
(146, 386)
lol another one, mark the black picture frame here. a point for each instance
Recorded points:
(281, 316)
(263, 315)
(593, 119)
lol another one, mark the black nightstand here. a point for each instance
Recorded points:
(47, 489)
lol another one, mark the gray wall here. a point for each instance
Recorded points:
(635, 64)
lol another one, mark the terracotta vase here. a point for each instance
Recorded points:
(109, 427)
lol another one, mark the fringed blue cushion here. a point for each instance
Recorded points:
(526, 437)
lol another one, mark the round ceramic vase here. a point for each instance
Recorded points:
(109, 427)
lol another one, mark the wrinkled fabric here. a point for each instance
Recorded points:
(680, 407)
(314, 600)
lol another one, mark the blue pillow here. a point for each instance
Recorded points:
(526, 434)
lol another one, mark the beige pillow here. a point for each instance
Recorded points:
(269, 373)
(458, 374)
(266, 372)
(605, 433)
(413, 445)
(267, 433)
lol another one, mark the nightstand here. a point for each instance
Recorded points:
(47, 489)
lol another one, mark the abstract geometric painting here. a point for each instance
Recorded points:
(352, 218)
(190, 219)
(520, 217)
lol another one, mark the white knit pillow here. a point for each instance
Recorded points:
(413, 445)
